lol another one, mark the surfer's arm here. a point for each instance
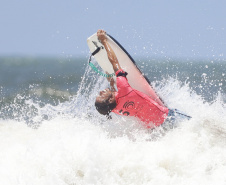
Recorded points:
(112, 85)
(101, 34)
(111, 56)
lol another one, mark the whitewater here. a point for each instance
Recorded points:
(71, 144)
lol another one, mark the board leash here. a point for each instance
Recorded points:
(99, 72)
(93, 66)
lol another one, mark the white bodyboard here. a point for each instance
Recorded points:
(135, 76)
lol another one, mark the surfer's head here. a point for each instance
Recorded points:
(105, 102)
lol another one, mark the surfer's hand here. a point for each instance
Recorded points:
(101, 34)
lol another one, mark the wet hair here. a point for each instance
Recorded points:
(105, 107)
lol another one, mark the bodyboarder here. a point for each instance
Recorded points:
(128, 101)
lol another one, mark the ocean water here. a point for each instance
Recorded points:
(50, 132)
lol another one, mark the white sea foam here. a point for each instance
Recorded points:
(77, 146)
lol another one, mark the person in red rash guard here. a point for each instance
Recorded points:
(128, 101)
(131, 102)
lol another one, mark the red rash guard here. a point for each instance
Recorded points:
(131, 102)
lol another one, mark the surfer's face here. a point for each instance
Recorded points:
(105, 95)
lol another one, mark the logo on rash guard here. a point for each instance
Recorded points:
(129, 105)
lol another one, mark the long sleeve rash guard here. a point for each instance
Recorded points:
(131, 102)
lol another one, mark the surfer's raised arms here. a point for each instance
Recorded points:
(101, 34)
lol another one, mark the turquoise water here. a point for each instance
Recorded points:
(50, 132)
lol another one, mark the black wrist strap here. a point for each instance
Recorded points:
(95, 51)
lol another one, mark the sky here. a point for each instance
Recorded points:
(145, 28)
